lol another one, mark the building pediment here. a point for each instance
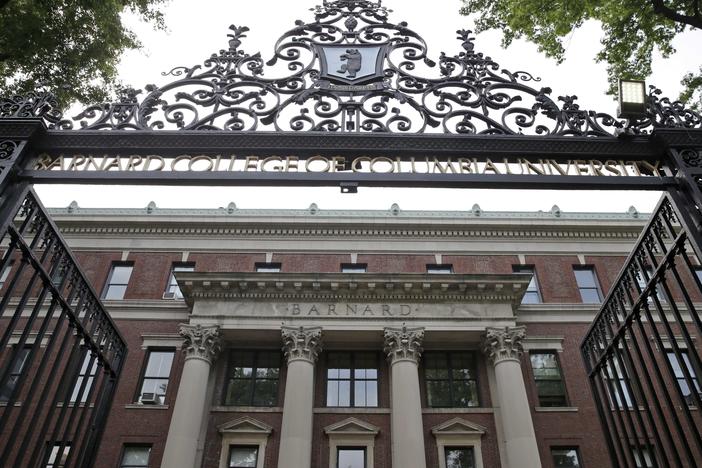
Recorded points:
(351, 426)
(458, 426)
(245, 425)
(361, 288)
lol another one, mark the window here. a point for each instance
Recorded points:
(440, 269)
(354, 267)
(588, 285)
(172, 289)
(243, 457)
(351, 457)
(616, 378)
(352, 379)
(268, 267)
(698, 273)
(645, 461)
(642, 279)
(135, 456)
(451, 379)
(252, 379)
(83, 374)
(680, 375)
(117, 281)
(5, 274)
(549, 381)
(8, 388)
(156, 374)
(532, 294)
(459, 457)
(565, 457)
(58, 455)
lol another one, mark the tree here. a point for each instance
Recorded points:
(68, 47)
(633, 30)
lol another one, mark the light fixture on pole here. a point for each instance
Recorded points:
(632, 99)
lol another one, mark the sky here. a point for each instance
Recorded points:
(198, 28)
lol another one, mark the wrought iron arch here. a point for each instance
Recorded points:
(237, 91)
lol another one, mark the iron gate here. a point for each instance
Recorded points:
(642, 352)
(61, 353)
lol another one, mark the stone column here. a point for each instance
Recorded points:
(404, 348)
(301, 346)
(503, 347)
(201, 346)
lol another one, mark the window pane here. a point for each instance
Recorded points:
(465, 394)
(121, 274)
(590, 296)
(585, 278)
(344, 393)
(459, 457)
(438, 393)
(115, 292)
(136, 457)
(17, 366)
(58, 455)
(352, 458)
(531, 297)
(239, 392)
(159, 364)
(333, 393)
(243, 457)
(371, 393)
(265, 393)
(565, 458)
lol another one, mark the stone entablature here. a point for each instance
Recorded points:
(401, 288)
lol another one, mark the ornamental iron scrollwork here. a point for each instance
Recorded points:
(351, 70)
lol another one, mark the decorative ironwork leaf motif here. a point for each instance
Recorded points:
(236, 91)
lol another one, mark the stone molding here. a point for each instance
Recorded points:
(500, 344)
(366, 287)
(302, 343)
(359, 232)
(201, 342)
(403, 344)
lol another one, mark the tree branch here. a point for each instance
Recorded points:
(660, 8)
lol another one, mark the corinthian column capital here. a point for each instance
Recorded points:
(201, 342)
(302, 343)
(500, 344)
(403, 343)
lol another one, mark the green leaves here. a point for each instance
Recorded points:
(633, 29)
(69, 47)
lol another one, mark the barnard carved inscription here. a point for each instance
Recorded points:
(359, 310)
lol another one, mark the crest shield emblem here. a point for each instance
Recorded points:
(351, 63)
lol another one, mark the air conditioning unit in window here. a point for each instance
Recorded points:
(150, 399)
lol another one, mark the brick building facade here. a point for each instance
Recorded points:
(452, 335)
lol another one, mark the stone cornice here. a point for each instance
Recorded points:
(315, 223)
(193, 228)
(365, 287)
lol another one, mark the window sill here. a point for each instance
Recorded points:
(247, 409)
(146, 407)
(556, 409)
(16, 404)
(73, 405)
(354, 410)
(476, 410)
